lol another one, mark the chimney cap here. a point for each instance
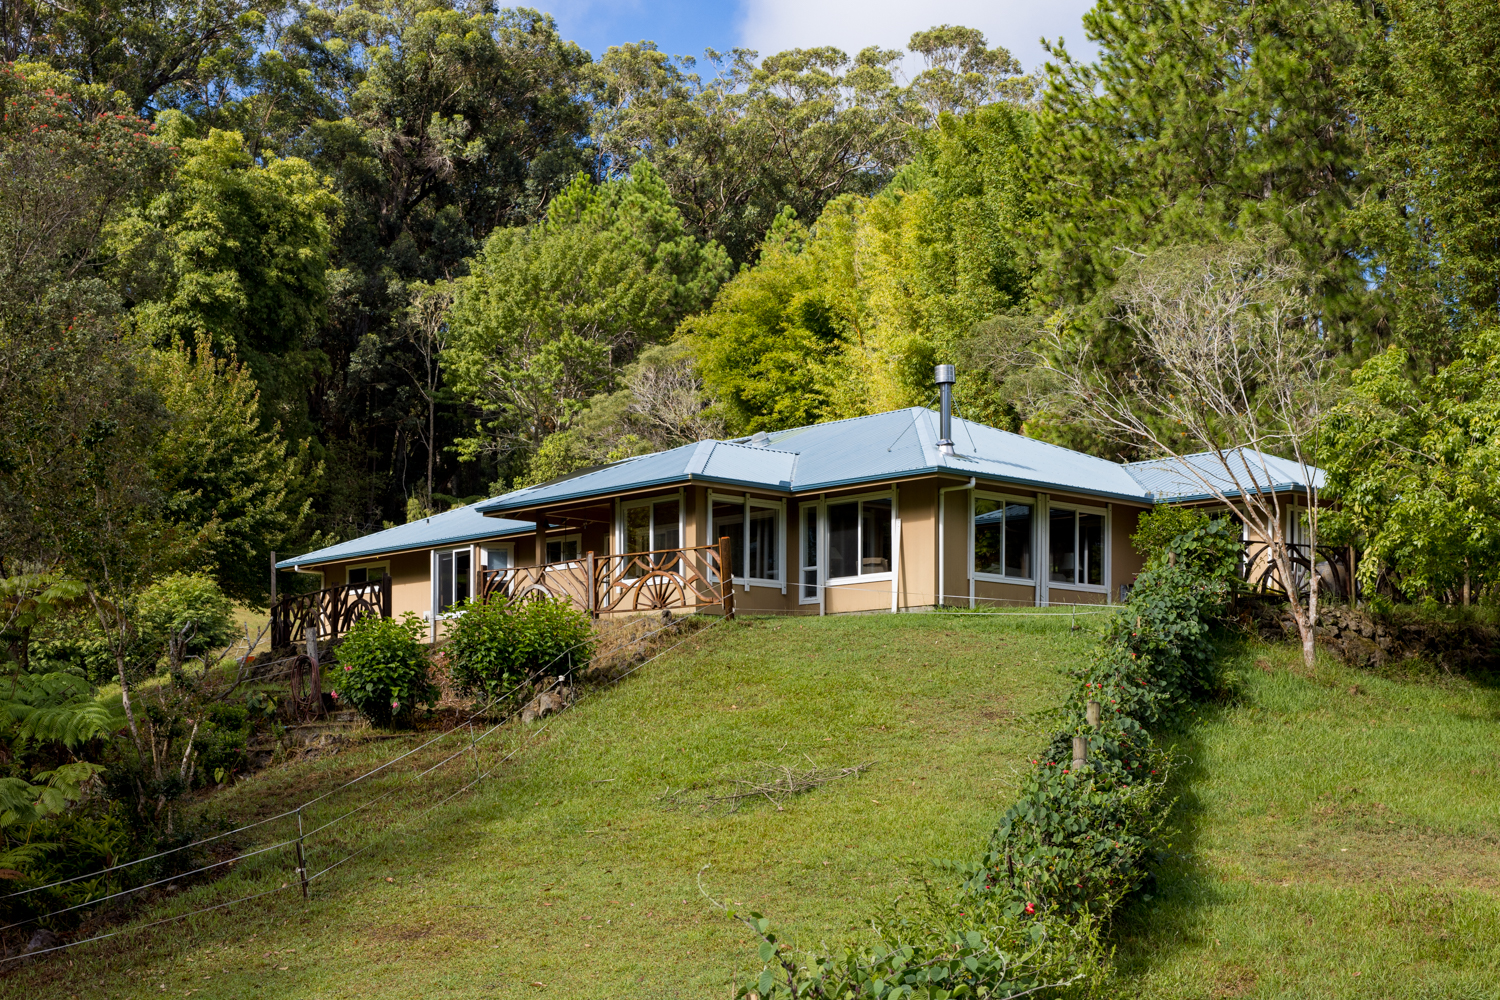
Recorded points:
(944, 375)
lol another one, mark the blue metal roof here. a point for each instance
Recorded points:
(466, 524)
(842, 453)
(1190, 477)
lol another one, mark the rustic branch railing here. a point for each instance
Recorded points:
(666, 579)
(334, 609)
(1335, 569)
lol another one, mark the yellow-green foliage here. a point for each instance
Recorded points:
(846, 316)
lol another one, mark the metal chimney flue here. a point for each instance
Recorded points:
(945, 377)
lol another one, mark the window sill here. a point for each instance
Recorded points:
(1019, 581)
(1082, 588)
(845, 581)
(740, 581)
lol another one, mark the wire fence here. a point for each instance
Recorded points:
(470, 747)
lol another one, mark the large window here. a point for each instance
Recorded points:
(1002, 538)
(1075, 547)
(452, 578)
(653, 526)
(810, 564)
(729, 522)
(859, 538)
(754, 531)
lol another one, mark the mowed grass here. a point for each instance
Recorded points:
(1340, 838)
(572, 866)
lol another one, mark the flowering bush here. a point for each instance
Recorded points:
(382, 669)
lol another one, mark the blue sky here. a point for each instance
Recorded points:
(687, 28)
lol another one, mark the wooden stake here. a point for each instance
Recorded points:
(301, 862)
(1080, 752)
(1091, 713)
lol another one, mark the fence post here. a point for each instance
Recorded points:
(315, 681)
(1080, 752)
(473, 749)
(1091, 714)
(273, 576)
(301, 861)
(726, 578)
(385, 595)
(592, 587)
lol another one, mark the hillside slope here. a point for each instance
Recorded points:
(1339, 837)
(576, 865)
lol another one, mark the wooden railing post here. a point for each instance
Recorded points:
(726, 578)
(591, 587)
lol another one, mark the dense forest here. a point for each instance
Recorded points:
(279, 274)
(275, 274)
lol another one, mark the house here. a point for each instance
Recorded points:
(904, 510)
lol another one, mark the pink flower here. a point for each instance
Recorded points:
(1030, 909)
(347, 667)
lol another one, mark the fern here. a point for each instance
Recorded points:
(59, 707)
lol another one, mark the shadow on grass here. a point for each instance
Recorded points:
(1160, 919)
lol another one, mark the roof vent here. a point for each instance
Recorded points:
(944, 376)
(759, 439)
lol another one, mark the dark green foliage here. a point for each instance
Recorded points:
(223, 740)
(493, 647)
(382, 669)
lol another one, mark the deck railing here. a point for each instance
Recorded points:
(333, 609)
(1334, 566)
(662, 580)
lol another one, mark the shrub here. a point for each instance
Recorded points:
(188, 603)
(492, 647)
(383, 669)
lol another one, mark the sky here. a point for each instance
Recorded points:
(685, 28)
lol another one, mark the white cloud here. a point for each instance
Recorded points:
(773, 25)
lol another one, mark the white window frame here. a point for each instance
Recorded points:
(974, 574)
(815, 509)
(384, 565)
(752, 503)
(433, 614)
(509, 548)
(622, 531)
(1078, 508)
(886, 576)
(562, 540)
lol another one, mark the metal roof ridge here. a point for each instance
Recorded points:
(698, 461)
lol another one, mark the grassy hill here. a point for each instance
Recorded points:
(576, 864)
(1339, 839)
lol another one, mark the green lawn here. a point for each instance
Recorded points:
(569, 868)
(1339, 839)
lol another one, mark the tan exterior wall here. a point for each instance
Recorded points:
(1004, 595)
(1125, 562)
(916, 572)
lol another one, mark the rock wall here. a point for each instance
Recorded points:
(1368, 641)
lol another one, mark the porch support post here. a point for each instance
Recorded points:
(541, 541)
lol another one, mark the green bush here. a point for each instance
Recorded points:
(493, 647)
(382, 669)
(188, 603)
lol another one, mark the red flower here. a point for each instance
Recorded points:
(1030, 909)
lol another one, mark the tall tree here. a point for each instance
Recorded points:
(235, 254)
(1429, 111)
(1200, 119)
(846, 316)
(551, 312)
(797, 128)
